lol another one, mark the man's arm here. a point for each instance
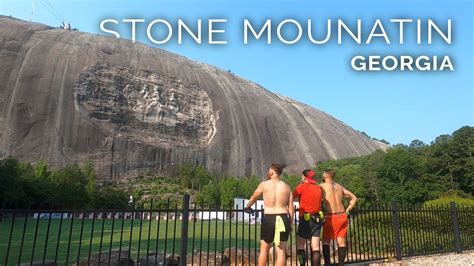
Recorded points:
(258, 192)
(296, 193)
(352, 199)
(291, 208)
(324, 206)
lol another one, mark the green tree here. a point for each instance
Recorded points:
(11, 187)
(72, 187)
(291, 180)
(400, 173)
(350, 177)
(210, 194)
(186, 175)
(193, 176)
(247, 186)
(90, 176)
(369, 173)
(41, 170)
(110, 198)
(228, 190)
(461, 151)
(416, 144)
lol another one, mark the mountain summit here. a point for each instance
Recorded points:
(69, 97)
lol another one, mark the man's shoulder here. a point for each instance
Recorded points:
(284, 184)
(316, 187)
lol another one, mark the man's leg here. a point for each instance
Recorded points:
(300, 246)
(263, 257)
(326, 253)
(281, 254)
(341, 250)
(315, 253)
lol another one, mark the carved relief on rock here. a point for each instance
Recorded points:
(145, 106)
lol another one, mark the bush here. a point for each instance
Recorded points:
(110, 198)
(447, 200)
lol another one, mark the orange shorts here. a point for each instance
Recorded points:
(335, 225)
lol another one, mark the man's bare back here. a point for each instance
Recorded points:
(278, 214)
(276, 196)
(334, 194)
(333, 197)
(336, 222)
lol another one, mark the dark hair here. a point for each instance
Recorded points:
(306, 172)
(330, 172)
(278, 168)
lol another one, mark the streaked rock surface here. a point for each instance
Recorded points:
(129, 108)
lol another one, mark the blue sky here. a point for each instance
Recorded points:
(396, 106)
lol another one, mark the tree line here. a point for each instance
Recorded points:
(34, 186)
(409, 174)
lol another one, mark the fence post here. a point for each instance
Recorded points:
(456, 230)
(396, 231)
(184, 230)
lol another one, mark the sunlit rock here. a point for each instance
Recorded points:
(129, 108)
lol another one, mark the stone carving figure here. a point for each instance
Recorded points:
(154, 108)
(156, 93)
(144, 92)
(129, 93)
(159, 105)
(142, 102)
(173, 103)
(126, 90)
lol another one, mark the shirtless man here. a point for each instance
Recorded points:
(335, 225)
(278, 214)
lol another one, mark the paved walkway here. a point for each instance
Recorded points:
(465, 258)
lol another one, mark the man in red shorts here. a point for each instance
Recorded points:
(335, 224)
(309, 226)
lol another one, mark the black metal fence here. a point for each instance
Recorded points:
(198, 235)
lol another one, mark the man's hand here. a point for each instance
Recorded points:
(255, 195)
(248, 210)
(352, 200)
(291, 207)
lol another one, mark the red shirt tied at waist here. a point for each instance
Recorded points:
(310, 195)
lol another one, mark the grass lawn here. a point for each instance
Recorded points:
(105, 234)
(370, 236)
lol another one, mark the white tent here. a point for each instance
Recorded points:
(210, 215)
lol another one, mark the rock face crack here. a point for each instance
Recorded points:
(145, 106)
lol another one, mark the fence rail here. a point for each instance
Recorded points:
(198, 235)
